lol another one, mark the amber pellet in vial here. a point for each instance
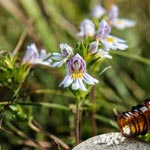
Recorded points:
(136, 121)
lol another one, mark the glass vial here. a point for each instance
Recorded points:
(136, 121)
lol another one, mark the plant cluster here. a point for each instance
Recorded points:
(95, 42)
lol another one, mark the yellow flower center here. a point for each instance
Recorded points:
(37, 60)
(77, 75)
(119, 21)
(111, 39)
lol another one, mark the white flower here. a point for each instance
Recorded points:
(104, 29)
(109, 41)
(93, 49)
(33, 57)
(98, 11)
(113, 13)
(123, 23)
(87, 28)
(103, 54)
(119, 23)
(76, 74)
(61, 58)
(112, 42)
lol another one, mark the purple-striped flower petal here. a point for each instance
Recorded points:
(76, 74)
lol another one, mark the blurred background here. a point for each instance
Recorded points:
(49, 23)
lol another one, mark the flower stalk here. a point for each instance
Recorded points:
(77, 121)
(93, 112)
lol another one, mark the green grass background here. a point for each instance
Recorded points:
(49, 23)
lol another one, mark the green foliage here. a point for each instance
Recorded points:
(32, 106)
(12, 74)
(145, 137)
(7, 70)
(18, 113)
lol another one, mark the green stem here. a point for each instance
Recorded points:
(77, 122)
(42, 104)
(93, 112)
(133, 56)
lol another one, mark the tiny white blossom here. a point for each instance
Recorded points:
(93, 47)
(61, 58)
(109, 41)
(119, 23)
(114, 43)
(104, 29)
(113, 13)
(98, 11)
(123, 23)
(76, 74)
(33, 57)
(103, 54)
(87, 28)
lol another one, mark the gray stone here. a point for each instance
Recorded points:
(100, 142)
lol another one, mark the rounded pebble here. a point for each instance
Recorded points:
(115, 142)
